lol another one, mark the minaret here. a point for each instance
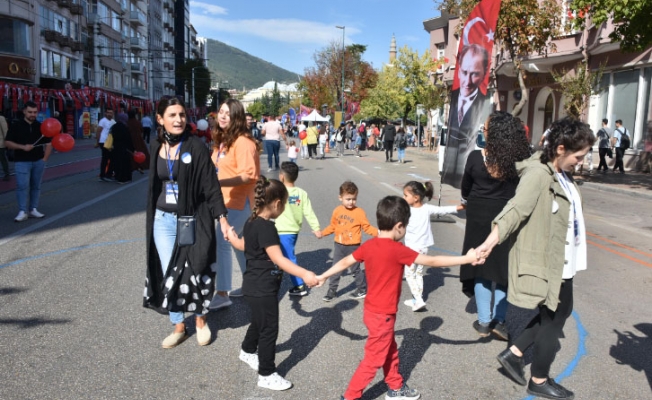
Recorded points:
(392, 50)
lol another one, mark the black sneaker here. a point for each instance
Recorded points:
(549, 390)
(404, 393)
(358, 294)
(482, 329)
(298, 291)
(513, 365)
(330, 295)
(500, 331)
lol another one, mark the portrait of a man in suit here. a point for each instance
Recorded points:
(468, 111)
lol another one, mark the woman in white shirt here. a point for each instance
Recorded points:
(544, 224)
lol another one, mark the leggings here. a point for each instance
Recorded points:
(544, 331)
(312, 149)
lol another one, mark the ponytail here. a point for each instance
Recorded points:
(266, 192)
(422, 190)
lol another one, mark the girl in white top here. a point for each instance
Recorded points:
(293, 151)
(418, 235)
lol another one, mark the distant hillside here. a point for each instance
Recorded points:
(242, 69)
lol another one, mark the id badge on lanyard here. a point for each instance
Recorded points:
(171, 186)
(171, 190)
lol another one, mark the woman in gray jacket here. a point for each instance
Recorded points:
(544, 225)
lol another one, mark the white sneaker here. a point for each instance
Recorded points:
(35, 214)
(22, 216)
(219, 302)
(409, 302)
(274, 382)
(418, 305)
(250, 358)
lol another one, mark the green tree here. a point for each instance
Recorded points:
(577, 85)
(202, 80)
(632, 20)
(275, 102)
(403, 85)
(525, 28)
(257, 109)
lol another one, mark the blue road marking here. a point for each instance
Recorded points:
(54, 253)
(581, 335)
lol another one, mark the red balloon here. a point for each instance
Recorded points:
(63, 142)
(302, 135)
(139, 157)
(50, 127)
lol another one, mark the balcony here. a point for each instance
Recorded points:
(137, 68)
(76, 9)
(64, 3)
(50, 35)
(138, 43)
(138, 92)
(138, 18)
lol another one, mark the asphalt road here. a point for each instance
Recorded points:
(72, 325)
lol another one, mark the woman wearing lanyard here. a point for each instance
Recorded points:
(237, 164)
(545, 227)
(181, 183)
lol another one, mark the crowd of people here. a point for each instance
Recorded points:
(507, 192)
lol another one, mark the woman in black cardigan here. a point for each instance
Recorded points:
(182, 182)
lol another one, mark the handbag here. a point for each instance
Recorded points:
(108, 143)
(186, 230)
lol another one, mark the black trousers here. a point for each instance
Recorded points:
(262, 332)
(146, 133)
(339, 252)
(106, 166)
(603, 161)
(620, 153)
(312, 149)
(544, 331)
(389, 149)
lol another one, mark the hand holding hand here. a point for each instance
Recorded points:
(230, 234)
(310, 279)
(320, 281)
(317, 234)
(226, 228)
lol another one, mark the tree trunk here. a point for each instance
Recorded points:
(524, 95)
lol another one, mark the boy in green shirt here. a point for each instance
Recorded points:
(289, 223)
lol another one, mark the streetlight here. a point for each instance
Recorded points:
(343, 28)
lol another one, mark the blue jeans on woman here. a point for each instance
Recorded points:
(401, 154)
(272, 147)
(483, 301)
(165, 234)
(224, 266)
(28, 175)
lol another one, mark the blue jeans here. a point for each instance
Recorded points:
(165, 234)
(288, 241)
(224, 266)
(272, 147)
(401, 154)
(483, 301)
(28, 174)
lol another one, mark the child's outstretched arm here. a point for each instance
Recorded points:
(310, 216)
(236, 242)
(340, 266)
(330, 228)
(443, 210)
(448, 261)
(276, 255)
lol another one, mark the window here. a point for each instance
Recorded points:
(56, 65)
(102, 11)
(45, 63)
(600, 101)
(15, 37)
(115, 20)
(625, 100)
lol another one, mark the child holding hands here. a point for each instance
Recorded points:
(385, 258)
(262, 280)
(418, 234)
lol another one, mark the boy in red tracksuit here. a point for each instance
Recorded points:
(385, 258)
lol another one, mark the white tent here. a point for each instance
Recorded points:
(315, 117)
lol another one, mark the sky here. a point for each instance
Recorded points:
(288, 33)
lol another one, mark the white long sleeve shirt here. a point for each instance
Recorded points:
(418, 234)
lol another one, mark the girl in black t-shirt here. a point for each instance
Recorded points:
(262, 280)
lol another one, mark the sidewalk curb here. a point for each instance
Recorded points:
(611, 189)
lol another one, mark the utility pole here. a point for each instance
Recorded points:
(343, 28)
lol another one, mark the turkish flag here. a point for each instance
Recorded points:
(479, 29)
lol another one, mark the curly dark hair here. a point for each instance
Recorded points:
(268, 191)
(237, 126)
(506, 144)
(569, 132)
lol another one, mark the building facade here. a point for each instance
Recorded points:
(624, 92)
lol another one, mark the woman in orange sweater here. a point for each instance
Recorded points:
(237, 164)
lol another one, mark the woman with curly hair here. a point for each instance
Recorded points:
(237, 164)
(489, 181)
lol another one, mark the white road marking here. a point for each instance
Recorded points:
(49, 220)
(394, 188)
(358, 170)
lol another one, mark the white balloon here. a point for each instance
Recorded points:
(202, 124)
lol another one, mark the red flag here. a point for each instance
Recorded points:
(479, 29)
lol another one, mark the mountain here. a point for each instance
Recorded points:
(240, 69)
